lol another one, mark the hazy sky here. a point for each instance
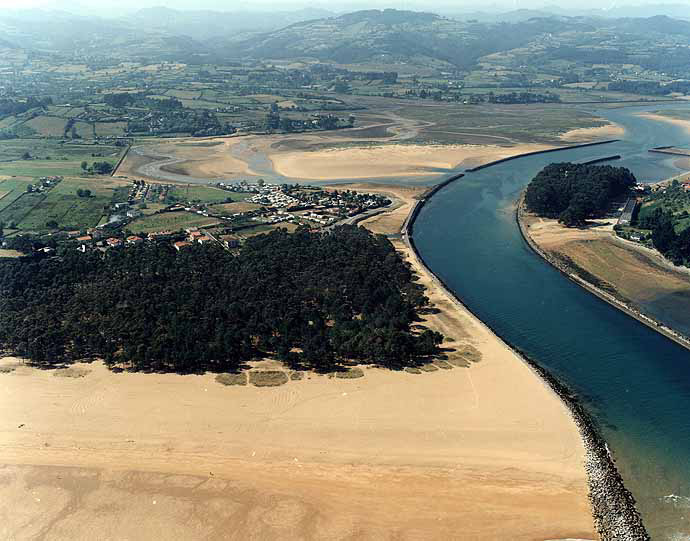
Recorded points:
(122, 6)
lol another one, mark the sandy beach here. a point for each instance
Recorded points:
(390, 160)
(484, 450)
(586, 135)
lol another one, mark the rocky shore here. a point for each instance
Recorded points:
(613, 506)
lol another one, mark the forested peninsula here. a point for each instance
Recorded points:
(313, 300)
(572, 192)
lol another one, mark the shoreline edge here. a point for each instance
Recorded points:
(613, 506)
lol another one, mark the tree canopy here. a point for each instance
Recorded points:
(574, 192)
(310, 299)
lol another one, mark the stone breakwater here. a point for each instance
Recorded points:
(613, 506)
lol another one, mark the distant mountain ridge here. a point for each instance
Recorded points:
(375, 37)
(394, 35)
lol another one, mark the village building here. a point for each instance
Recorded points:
(181, 244)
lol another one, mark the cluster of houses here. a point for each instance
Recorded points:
(97, 239)
(142, 192)
(194, 236)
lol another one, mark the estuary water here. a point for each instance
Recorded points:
(634, 382)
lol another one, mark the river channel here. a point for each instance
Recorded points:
(634, 382)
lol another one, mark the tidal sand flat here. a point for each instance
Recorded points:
(390, 160)
(610, 130)
(345, 155)
(668, 118)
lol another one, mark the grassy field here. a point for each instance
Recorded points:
(11, 189)
(49, 126)
(203, 194)
(51, 157)
(172, 221)
(232, 208)
(266, 228)
(70, 211)
(497, 124)
(20, 208)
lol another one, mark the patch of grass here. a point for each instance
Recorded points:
(267, 378)
(71, 372)
(266, 228)
(173, 221)
(20, 207)
(50, 126)
(13, 188)
(52, 157)
(352, 373)
(443, 364)
(412, 370)
(470, 353)
(232, 379)
(235, 208)
(62, 204)
(428, 368)
(204, 194)
(6, 369)
(460, 363)
(296, 375)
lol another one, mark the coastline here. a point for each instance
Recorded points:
(340, 458)
(613, 506)
(622, 305)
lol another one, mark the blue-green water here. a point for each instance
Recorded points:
(635, 382)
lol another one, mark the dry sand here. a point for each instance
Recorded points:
(585, 135)
(390, 160)
(483, 452)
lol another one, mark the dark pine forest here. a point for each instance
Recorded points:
(575, 192)
(313, 300)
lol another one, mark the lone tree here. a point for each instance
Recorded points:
(84, 165)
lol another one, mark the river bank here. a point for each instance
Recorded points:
(613, 506)
(606, 289)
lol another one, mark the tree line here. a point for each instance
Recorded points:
(313, 300)
(572, 193)
(673, 245)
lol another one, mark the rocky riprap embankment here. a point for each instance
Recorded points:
(613, 507)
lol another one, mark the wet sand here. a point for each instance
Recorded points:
(305, 157)
(685, 124)
(586, 135)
